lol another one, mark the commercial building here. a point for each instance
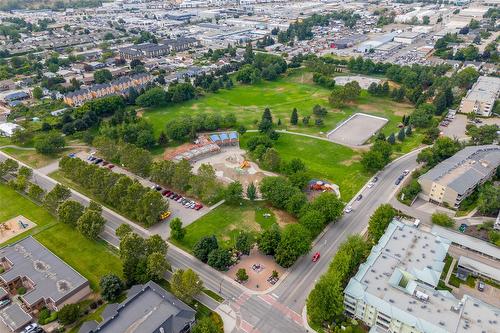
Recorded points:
(49, 282)
(480, 99)
(457, 177)
(394, 290)
(408, 37)
(148, 309)
(150, 50)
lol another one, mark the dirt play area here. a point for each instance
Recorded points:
(259, 268)
(14, 227)
(229, 166)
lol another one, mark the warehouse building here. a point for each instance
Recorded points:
(394, 290)
(457, 177)
(408, 37)
(481, 98)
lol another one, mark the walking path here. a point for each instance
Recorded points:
(450, 271)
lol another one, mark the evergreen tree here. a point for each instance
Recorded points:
(294, 119)
(408, 131)
(267, 115)
(391, 139)
(401, 134)
(251, 191)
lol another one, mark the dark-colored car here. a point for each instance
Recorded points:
(400, 178)
(97, 161)
(104, 163)
(158, 187)
(111, 166)
(164, 193)
(359, 197)
(480, 286)
(92, 158)
(375, 179)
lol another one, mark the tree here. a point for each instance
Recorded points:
(205, 325)
(111, 287)
(186, 284)
(489, 200)
(49, 143)
(442, 219)
(68, 314)
(155, 244)
(123, 230)
(157, 266)
(294, 118)
(162, 139)
(378, 156)
(37, 92)
(90, 224)
(234, 193)
(409, 131)
(55, 197)
(391, 139)
(295, 241)
(269, 240)
(176, 230)
(271, 159)
(296, 202)
(102, 76)
(69, 212)
(251, 191)
(379, 221)
(243, 243)
(241, 275)
(326, 299)
(35, 192)
(152, 97)
(329, 205)
(401, 134)
(313, 221)
(219, 259)
(204, 246)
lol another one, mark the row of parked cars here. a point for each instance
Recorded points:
(178, 198)
(402, 176)
(95, 160)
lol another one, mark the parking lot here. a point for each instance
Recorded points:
(357, 129)
(187, 215)
(456, 127)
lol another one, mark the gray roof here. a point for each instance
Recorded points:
(467, 241)
(51, 276)
(466, 168)
(404, 264)
(484, 90)
(147, 308)
(14, 317)
(478, 267)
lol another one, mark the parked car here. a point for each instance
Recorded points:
(111, 166)
(316, 257)
(348, 209)
(72, 155)
(179, 199)
(462, 227)
(398, 181)
(104, 163)
(375, 179)
(406, 172)
(165, 215)
(480, 286)
(370, 185)
(30, 328)
(5, 302)
(97, 161)
(198, 206)
(165, 192)
(92, 158)
(359, 197)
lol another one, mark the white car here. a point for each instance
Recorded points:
(370, 185)
(30, 328)
(348, 209)
(406, 172)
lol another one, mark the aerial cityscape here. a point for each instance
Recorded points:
(249, 166)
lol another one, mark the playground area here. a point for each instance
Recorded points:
(357, 129)
(13, 227)
(230, 165)
(259, 268)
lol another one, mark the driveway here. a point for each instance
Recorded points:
(186, 215)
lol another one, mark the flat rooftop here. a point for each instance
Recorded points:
(399, 278)
(484, 90)
(52, 277)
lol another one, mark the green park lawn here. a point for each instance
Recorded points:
(325, 160)
(226, 222)
(296, 90)
(30, 157)
(92, 259)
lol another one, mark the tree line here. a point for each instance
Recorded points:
(127, 196)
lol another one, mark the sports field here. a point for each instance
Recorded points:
(296, 90)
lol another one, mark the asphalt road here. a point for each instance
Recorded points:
(279, 310)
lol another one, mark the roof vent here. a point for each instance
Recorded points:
(441, 323)
(391, 301)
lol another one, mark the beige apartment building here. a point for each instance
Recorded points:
(481, 98)
(457, 177)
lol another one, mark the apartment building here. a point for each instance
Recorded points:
(457, 177)
(47, 280)
(119, 86)
(394, 290)
(481, 98)
(150, 50)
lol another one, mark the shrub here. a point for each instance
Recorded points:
(69, 314)
(21, 290)
(443, 220)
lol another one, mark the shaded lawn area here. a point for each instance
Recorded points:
(295, 90)
(31, 157)
(226, 222)
(324, 160)
(92, 259)
(13, 204)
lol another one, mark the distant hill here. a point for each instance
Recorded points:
(7, 5)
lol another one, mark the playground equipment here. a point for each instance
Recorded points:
(321, 186)
(22, 225)
(244, 164)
